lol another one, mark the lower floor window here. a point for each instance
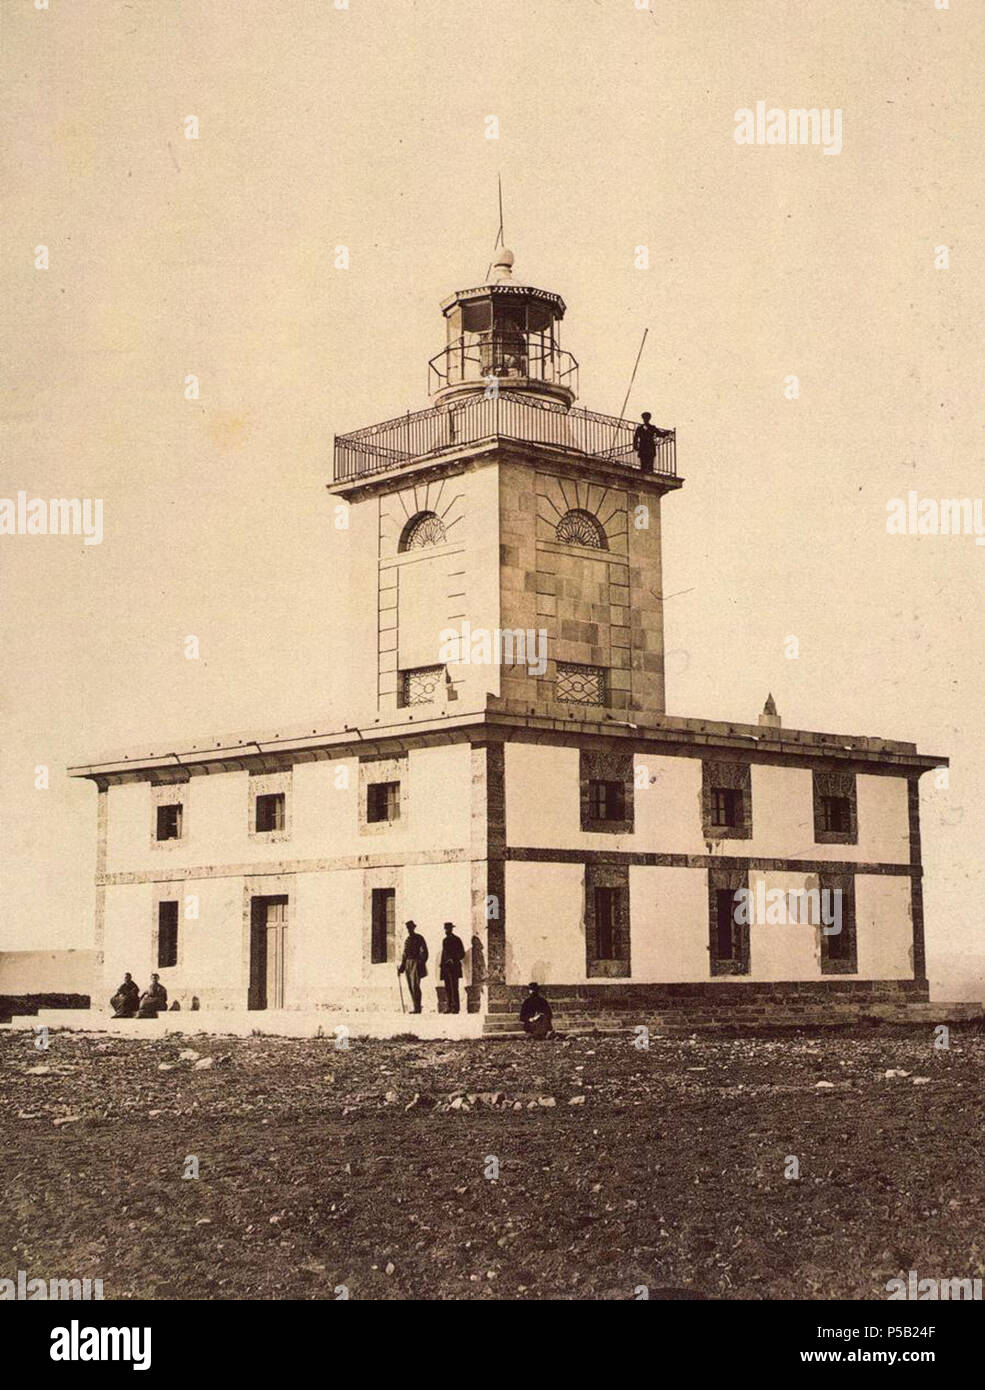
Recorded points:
(839, 948)
(607, 926)
(167, 935)
(729, 944)
(382, 925)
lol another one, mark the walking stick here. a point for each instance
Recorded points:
(403, 1006)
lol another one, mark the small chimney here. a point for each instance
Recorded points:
(769, 719)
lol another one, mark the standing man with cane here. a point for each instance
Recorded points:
(414, 963)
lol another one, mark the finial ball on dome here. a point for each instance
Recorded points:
(503, 264)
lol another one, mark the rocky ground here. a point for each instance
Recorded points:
(575, 1169)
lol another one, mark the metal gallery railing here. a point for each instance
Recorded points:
(418, 434)
(476, 357)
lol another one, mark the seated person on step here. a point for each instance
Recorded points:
(535, 1014)
(153, 1000)
(126, 999)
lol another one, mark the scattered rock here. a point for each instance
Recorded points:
(203, 1063)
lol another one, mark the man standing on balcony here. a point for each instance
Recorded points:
(645, 442)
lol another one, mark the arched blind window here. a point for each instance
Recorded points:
(426, 528)
(579, 527)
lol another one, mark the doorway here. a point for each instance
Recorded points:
(268, 952)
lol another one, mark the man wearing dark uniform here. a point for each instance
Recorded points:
(414, 963)
(452, 955)
(645, 442)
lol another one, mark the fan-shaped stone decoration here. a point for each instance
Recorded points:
(579, 527)
(426, 528)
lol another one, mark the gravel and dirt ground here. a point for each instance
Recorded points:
(374, 1168)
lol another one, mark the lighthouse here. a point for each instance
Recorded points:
(504, 760)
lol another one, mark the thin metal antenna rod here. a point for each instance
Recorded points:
(622, 413)
(499, 235)
(629, 388)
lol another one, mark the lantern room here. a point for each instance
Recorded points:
(505, 334)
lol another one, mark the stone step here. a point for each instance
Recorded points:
(761, 1015)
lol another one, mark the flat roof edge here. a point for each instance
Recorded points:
(672, 731)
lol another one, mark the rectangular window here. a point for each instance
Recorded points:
(728, 925)
(383, 912)
(728, 940)
(726, 800)
(606, 790)
(167, 935)
(835, 807)
(839, 948)
(580, 685)
(836, 814)
(606, 801)
(169, 822)
(270, 812)
(726, 807)
(421, 686)
(383, 801)
(607, 933)
(606, 919)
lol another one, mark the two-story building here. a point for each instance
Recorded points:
(506, 761)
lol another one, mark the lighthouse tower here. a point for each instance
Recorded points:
(516, 537)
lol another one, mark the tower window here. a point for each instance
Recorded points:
(580, 685)
(383, 801)
(167, 935)
(421, 685)
(578, 527)
(270, 812)
(426, 528)
(169, 821)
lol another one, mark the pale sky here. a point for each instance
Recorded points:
(366, 128)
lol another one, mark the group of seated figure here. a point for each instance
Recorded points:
(128, 1002)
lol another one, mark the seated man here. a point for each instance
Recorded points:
(535, 1014)
(153, 1000)
(124, 1002)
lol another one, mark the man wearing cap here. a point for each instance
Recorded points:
(414, 963)
(535, 1014)
(450, 969)
(645, 442)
